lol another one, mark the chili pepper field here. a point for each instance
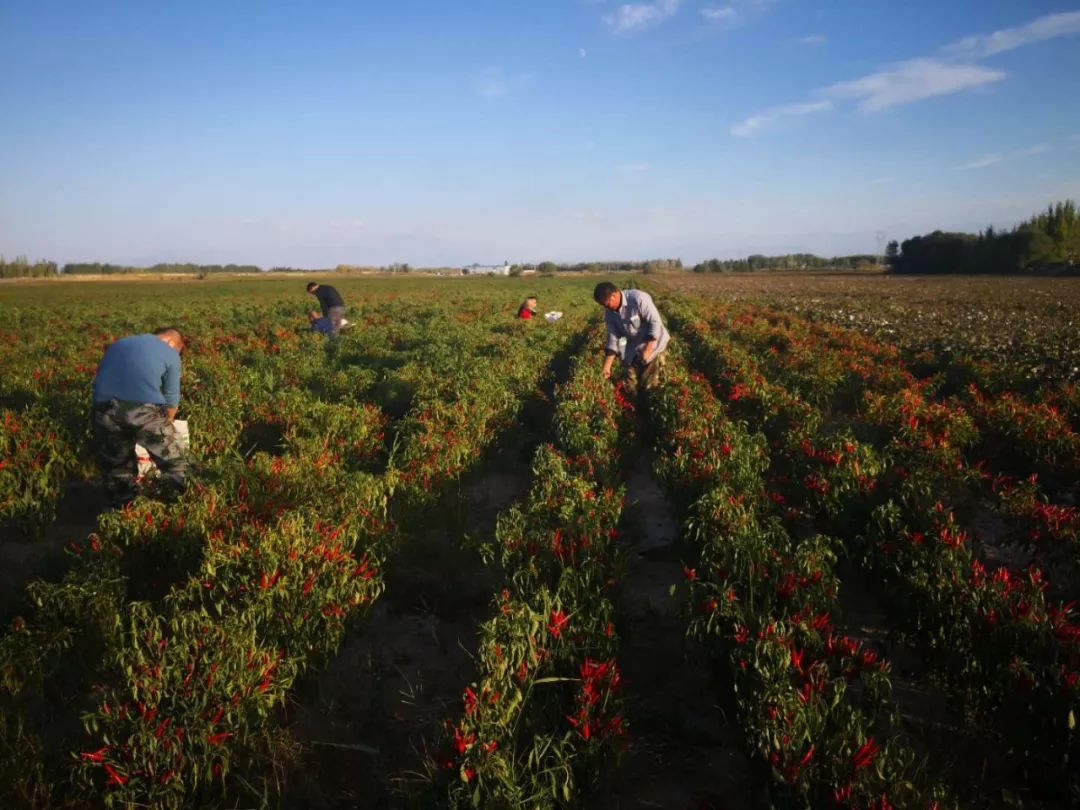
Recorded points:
(832, 561)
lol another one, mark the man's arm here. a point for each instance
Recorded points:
(611, 347)
(650, 316)
(170, 389)
(609, 359)
(647, 350)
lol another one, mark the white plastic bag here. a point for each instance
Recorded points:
(146, 464)
(551, 317)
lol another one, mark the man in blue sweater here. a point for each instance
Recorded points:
(136, 396)
(320, 325)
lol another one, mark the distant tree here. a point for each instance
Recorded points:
(892, 253)
(1048, 238)
(21, 267)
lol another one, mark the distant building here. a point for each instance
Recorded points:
(486, 270)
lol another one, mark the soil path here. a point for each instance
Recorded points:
(686, 749)
(25, 557)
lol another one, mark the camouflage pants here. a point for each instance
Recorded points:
(118, 426)
(336, 314)
(645, 378)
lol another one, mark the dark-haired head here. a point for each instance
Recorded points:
(604, 291)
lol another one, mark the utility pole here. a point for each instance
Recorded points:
(880, 237)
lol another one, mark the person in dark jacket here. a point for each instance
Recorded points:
(333, 305)
(135, 399)
(527, 310)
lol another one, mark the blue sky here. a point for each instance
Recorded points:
(435, 133)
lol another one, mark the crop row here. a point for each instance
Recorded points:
(544, 716)
(1005, 649)
(814, 703)
(180, 627)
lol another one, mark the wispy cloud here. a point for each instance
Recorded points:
(493, 83)
(582, 52)
(911, 81)
(632, 168)
(995, 158)
(720, 14)
(766, 118)
(1052, 26)
(734, 12)
(630, 18)
(1037, 149)
(812, 39)
(953, 70)
(981, 163)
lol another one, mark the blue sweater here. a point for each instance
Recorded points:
(140, 368)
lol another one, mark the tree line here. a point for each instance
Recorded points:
(20, 267)
(614, 266)
(788, 261)
(105, 269)
(1049, 241)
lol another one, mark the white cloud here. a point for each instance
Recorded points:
(999, 157)
(1037, 149)
(812, 39)
(953, 71)
(633, 17)
(720, 13)
(734, 12)
(493, 83)
(911, 81)
(582, 52)
(981, 163)
(765, 118)
(633, 168)
(1052, 26)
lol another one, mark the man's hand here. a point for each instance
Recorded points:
(646, 351)
(170, 413)
(607, 366)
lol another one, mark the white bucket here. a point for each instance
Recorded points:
(146, 464)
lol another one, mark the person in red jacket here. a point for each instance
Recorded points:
(527, 308)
